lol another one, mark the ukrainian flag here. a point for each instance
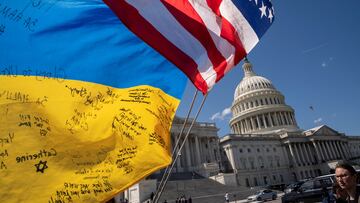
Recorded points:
(85, 106)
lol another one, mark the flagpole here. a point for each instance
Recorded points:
(177, 141)
(161, 189)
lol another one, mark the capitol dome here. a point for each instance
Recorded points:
(258, 107)
(252, 83)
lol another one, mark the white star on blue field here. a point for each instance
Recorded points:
(311, 54)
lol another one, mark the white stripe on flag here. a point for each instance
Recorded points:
(247, 35)
(157, 14)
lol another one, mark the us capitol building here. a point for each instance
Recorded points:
(265, 146)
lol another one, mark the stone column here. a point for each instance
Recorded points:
(258, 121)
(340, 150)
(232, 159)
(252, 123)
(212, 148)
(240, 127)
(264, 121)
(292, 115)
(275, 119)
(346, 147)
(247, 125)
(337, 153)
(301, 153)
(330, 150)
(319, 154)
(310, 153)
(178, 163)
(322, 148)
(282, 118)
(285, 118)
(188, 158)
(243, 126)
(333, 149)
(197, 149)
(270, 120)
(308, 158)
(343, 147)
(297, 154)
(293, 155)
(289, 118)
(202, 150)
(209, 149)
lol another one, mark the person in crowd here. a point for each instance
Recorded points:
(327, 195)
(226, 197)
(346, 189)
(152, 196)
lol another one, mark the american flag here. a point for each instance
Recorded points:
(204, 38)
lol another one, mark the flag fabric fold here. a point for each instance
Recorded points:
(204, 38)
(85, 106)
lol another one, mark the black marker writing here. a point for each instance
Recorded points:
(6, 140)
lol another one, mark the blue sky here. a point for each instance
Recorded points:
(311, 54)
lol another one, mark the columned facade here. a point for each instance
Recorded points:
(201, 152)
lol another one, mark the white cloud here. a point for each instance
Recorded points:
(221, 115)
(318, 120)
(215, 116)
(324, 64)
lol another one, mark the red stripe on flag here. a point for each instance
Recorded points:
(188, 17)
(229, 33)
(214, 5)
(144, 30)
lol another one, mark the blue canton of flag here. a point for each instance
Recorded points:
(260, 18)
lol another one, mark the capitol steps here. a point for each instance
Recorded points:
(202, 191)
